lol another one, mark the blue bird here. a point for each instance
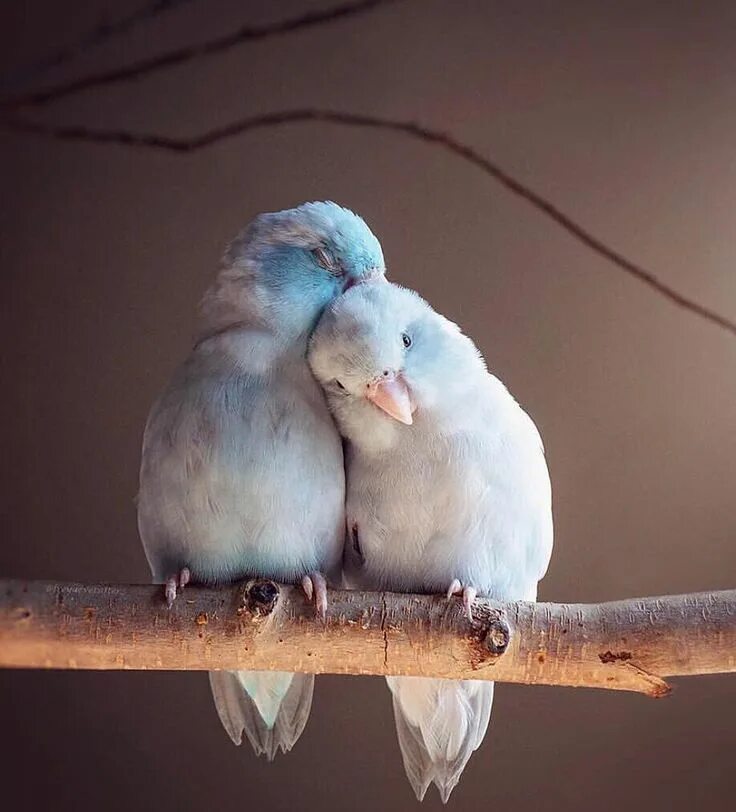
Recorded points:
(242, 467)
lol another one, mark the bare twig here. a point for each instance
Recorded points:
(418, 131)
(97, 36)
(625, 645)
(246, 33)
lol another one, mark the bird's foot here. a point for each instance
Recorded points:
(174, 582)
(315, 586)
(468, 593)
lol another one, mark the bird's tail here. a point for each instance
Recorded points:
(439, 724)
(270, 707)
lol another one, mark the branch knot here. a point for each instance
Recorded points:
(259, 597)
(491, 635)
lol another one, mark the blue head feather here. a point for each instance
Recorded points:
(286, 266)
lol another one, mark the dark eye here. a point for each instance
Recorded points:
(339, 385)
(406, 339)
(325, 259)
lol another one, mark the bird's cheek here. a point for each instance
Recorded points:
(417, 394)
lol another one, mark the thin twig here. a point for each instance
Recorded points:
(246, 33)
(418, 131)
(97, 36)
(628, 645)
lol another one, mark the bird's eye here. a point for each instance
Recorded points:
(339, 385)
(406, 338)
(325, 259)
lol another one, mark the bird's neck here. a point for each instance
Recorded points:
(434, 424)
(245, 318)
(252, 349)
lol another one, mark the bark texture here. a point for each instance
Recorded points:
(260, 625)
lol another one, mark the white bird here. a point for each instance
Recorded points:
(242, 468)
(447, 491)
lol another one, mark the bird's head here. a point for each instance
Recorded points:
(385, 358)
(286, 266)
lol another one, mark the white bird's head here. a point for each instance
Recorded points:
(385, 358)
(282, 270)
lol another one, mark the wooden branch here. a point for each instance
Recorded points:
(624, 645)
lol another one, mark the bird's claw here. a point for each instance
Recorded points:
(469, 594)
(174, 582)
(315, 586)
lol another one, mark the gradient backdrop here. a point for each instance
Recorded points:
(624, 114)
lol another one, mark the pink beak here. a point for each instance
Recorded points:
(391, 394)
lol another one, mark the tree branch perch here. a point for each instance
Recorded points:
(628, 645)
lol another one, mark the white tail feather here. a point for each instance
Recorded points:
(270, 707)
(439, 723)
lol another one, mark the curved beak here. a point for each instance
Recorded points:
(391, 394)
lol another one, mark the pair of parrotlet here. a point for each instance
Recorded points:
(304, 349)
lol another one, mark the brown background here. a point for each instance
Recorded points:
(624, 114)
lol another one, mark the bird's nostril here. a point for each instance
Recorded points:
(382, 376)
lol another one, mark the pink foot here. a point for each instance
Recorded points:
(468, 593)
(314, 585)
(176, 581)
